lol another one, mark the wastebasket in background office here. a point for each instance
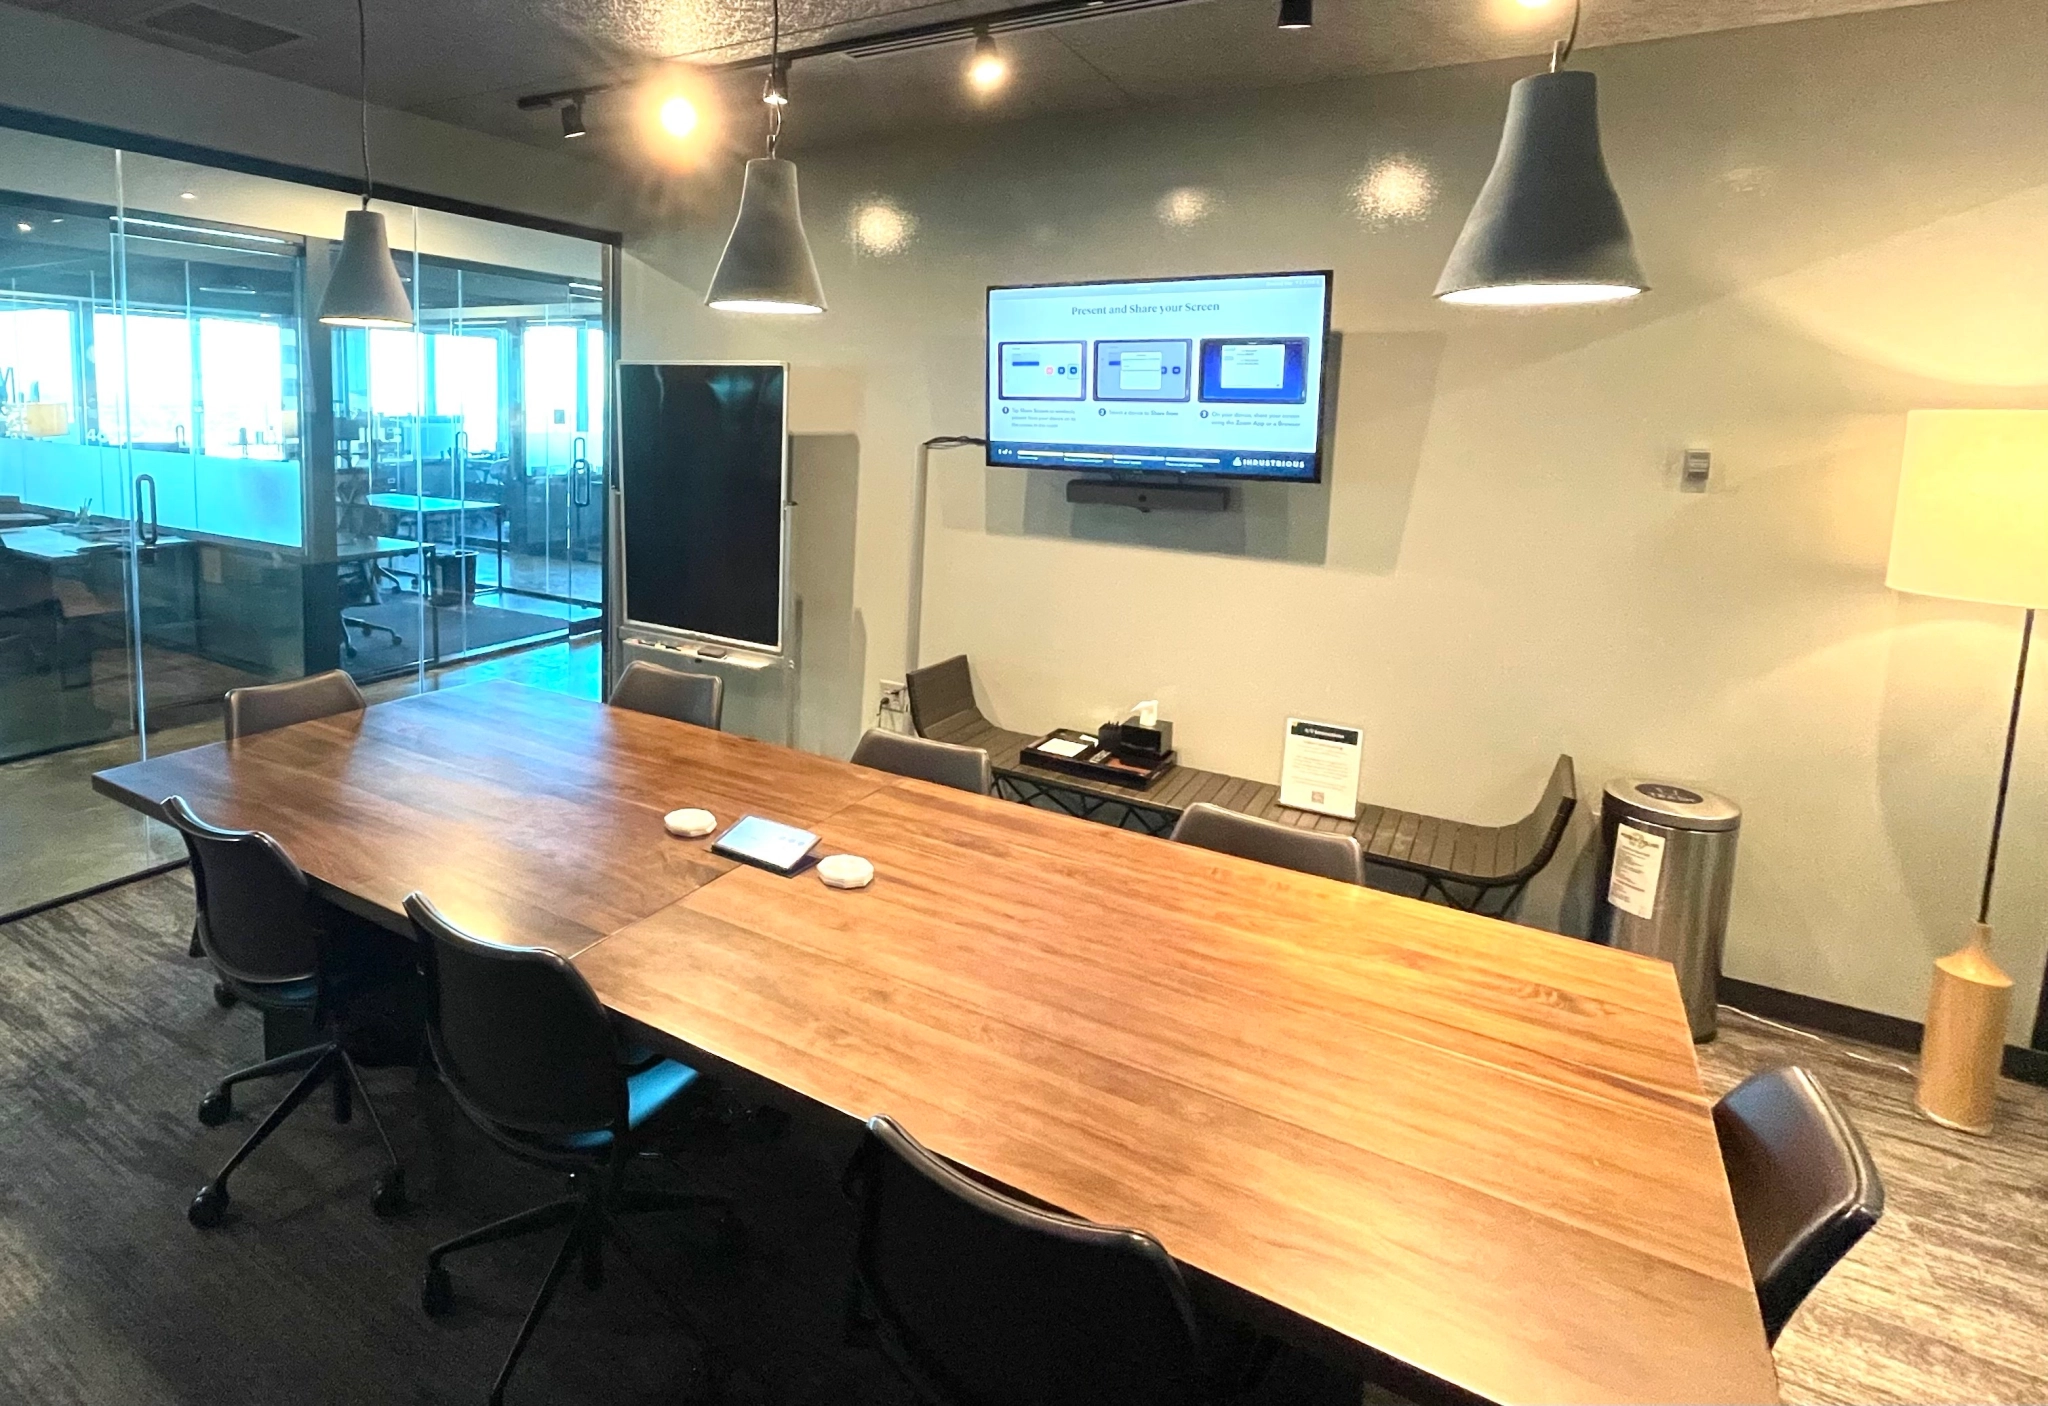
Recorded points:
(1667, 865)
(454, 576)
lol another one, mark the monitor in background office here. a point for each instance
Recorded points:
(704, 473)
(1214, 377)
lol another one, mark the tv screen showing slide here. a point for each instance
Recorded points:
(1216, 377)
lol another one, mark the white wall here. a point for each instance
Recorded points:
(1844, 219)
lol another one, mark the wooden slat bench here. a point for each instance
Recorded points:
(1480, 868)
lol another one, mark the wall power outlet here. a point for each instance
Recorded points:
(895, 698)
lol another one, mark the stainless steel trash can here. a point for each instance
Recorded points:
(1667, 865)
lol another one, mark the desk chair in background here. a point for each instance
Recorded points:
(1805, 1187)
(979, 1299)
(530, 1057)
(1269, 842)
(943, 763)
(670, 693)
(277, 947)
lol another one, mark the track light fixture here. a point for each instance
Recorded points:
(364, 290)
(1548, 229)
(1297, 14)
(767, 265)
(986, 68)
(572, 119)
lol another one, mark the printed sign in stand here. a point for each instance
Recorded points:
(1638, 866)
(1319, 768)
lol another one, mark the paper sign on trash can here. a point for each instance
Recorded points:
(1638, 864)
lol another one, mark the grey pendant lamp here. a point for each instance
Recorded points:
(364, 289)
(1548, 229)
(767, 265)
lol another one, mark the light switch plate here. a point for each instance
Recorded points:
(1698, 467)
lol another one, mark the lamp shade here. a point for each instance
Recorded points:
(1547, 227)
(767, 265)
(1972, 520)
(364, 290)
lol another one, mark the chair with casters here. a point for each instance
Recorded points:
(267, 707)
(277, 947)
(670, 693)
(530, 1057)
(1805, 1188)
(1269, 842)
(943, 763)
(981, 1299)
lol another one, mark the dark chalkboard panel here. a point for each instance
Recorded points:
(703, 473)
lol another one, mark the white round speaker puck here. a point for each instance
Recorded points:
(689, 824)
(846, 871)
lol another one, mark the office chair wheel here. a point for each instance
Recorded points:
(389, 1198)
(216, 1108)
(437, 1293)
(208, 1207)
(222, 996)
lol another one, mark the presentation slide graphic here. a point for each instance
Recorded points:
(1043, 370)
(1199, 376)
(1142, 370)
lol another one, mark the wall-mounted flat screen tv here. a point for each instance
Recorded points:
(1213, 377)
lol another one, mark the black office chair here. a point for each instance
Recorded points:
(1269, 842)
(945, 763)
(277, 947)
(267, 707)
(530, 1057)
(979, 1299)
(1805, 1188)
(670, 693)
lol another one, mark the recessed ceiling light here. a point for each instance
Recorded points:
(186, 195)
(679, 116)
(24, 226)
(987, 69)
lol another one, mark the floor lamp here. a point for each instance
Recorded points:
(1972, 524)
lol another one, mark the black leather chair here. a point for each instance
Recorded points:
(944, 763)
(980, 1299)
(1805, 1188)
(267, 707)
(277, 947)
(670, 693)
(530, 1057)
(1269, 842)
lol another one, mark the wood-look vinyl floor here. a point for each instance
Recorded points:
(108, 1036)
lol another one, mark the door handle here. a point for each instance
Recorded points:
(147, 527)
(579, 472)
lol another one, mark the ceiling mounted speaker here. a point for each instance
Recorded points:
(1548, 228)
(767, 264)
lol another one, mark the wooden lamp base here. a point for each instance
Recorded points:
(1964, 1045)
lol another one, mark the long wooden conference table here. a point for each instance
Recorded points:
(1465, 1150)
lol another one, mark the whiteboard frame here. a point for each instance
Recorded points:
(670, 632)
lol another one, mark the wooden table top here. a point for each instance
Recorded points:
(526, 815)
(1478, 1148)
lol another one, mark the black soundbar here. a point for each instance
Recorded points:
(1145, 494)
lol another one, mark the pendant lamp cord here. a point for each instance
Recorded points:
(2012, 733)
(1562, 49)
(363, 72)
(774, 68)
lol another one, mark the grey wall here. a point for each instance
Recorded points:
(1843, 219)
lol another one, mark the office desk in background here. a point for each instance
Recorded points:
(419, 508)
(1472, 1148)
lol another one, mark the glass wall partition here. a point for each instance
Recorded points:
(202, 487)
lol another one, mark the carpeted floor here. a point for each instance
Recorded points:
(108, 1036)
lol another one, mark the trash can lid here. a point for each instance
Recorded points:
(1674, 804)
